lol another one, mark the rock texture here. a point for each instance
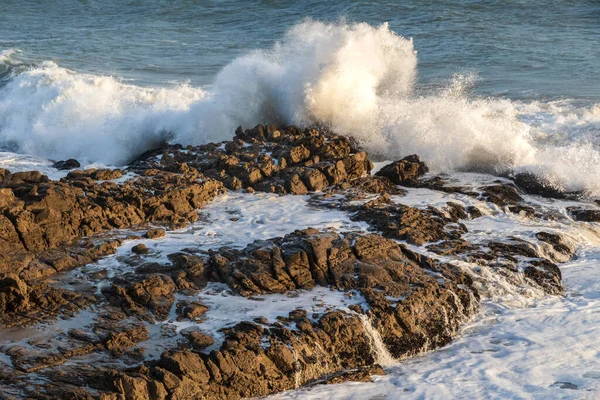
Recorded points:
(42, 221)
(415, 304)
(406, 171)
(283, 160)
(144, 332)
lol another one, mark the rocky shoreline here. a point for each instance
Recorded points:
(400, 294)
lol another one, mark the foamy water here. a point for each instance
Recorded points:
(356, 79)
(523, 344)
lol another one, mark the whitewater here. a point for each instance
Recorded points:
(352, 78)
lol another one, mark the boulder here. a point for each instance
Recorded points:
(404, 172)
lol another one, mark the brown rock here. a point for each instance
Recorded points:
(404, 172)
(140, 249)
(155, 233)
(119, 342)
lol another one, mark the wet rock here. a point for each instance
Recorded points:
(82, 335)
(537, 185)
(563, 248)
(585, 215)
(66, 164)
(284, 160)
(22, 178)
(22, 304)
(404, 172)
(155, 233)
(501, 194)
(154, 293)
(414, 225)
(566, 385)
(118, 342)
(194, 311)
(413, 302)
(199, 340)
(526, 211)
(37, 215)
(140, 249)
(298, 314)
(14, 293)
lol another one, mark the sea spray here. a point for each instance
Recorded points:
(380, 352)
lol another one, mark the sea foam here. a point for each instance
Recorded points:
(355, 79)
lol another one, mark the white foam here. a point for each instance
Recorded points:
(356, 79)
(7, 55)
(524, 353)
(21, 162)
(523, 344)
(380, 352)
(235, 219)
(227, 309)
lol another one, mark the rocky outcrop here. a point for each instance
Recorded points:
(519, 261)
(284, 160)
(410, 303)
(534, 184)
(585, 215)
(37, 215)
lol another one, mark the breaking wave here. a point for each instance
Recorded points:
(355, 79)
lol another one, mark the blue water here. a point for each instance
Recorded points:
(518, 48)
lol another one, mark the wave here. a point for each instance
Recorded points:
(355, 79)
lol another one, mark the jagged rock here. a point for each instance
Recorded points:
(406, 306)
(404, 172)
(20, 178)
(563, 249)
(284, 160)
(119, 342)
(502, 194)
(14, 293)
(22, 304)
(199, 340)
(37, 215)
(95, 174)
(414, 303)
(155, 233)
(194, 311)
(154, 294)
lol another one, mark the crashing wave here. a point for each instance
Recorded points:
(355, 79)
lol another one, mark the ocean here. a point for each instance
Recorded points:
(473, 87)
(468, 85)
